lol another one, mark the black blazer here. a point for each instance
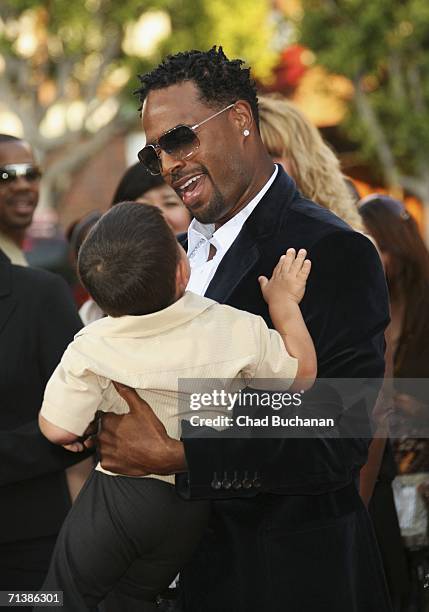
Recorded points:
(37, 321)
(300, 541)
(346, 310)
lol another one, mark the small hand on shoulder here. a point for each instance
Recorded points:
(288, 279)
(283, 292)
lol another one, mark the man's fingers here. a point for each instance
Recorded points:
(134, 401)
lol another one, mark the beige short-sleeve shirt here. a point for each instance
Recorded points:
(194, 338)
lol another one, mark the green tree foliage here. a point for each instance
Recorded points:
(383, 47)
(80, 60)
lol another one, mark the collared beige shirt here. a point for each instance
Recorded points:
(194, 338)
(12, 250)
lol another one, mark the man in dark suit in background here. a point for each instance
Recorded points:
(289, 531)
(19, 194)
(38, 319)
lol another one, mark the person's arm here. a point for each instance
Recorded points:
(56, 434)
(369, 473)
(24, 452)
(283, 292)
(72, 397)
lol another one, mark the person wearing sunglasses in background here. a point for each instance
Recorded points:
(19, 194)
(288, 528)
(37, 321)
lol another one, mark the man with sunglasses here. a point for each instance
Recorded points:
(288, 530)
(19, 194)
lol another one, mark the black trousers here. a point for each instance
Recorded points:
(131, 535)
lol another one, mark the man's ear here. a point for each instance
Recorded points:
(242, 115)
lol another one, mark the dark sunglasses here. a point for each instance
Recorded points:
(180, 143)
(11, 172)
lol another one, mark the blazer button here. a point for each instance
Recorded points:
(236, 484)
(256, 481)
(246, 482)
(226, 483)
(216, 483)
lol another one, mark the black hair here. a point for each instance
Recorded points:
(396, 233)
(135, 182)
(9, 138)
(128, 261)
(78, 230)
(221, 81)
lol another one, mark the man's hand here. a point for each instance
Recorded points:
(137, 444)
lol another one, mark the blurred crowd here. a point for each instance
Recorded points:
(38, 320)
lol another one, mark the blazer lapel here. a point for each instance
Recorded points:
(244, 252)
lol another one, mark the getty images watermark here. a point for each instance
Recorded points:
(342, 408)
(227, 402)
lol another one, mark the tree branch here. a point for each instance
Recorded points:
(110, 52)
(76, 156)
(419, 187)
(416, 89)
(376, 133)
(63, 73)
(397, 81)
(17, 100)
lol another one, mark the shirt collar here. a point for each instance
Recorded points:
(185, 309)
(198, 233)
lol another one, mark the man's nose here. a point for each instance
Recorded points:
(170, 165)
(21, 183)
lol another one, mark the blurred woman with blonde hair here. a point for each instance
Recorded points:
(297, 145)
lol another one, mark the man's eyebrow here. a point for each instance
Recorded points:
(155, 140)
(151, 142)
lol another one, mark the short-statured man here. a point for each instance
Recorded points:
(288, 529)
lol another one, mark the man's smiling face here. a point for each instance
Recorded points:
(19, 197)
(217, 167)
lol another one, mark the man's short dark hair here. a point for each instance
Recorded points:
(128, 261)
(221, 81)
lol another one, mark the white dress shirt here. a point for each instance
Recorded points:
(201, 236)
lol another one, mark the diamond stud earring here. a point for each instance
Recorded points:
(246, 132)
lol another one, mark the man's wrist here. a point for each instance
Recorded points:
(176, 457)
